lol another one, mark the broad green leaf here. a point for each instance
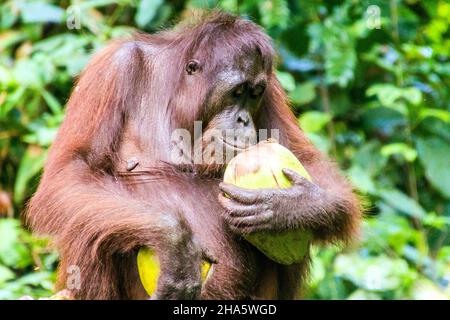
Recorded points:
(322, 142)
(52, 102)
(37, 278)
(408, 153)
(314, 121)
(11, 38)
(434, 154)
(369, 159)
(42, 135)
(340, 60)
(294, 63)
(14, 99)
(229, 5)
(9, 241)
(425, 289)
(402, 202)
(5, 274)
(101, 3)
(303, 93)
(444, 254)
(146, 11)
(5, 76)
(8, 15)
(389, 230)
(334, 42)
(361, 294)
(33, 12)
(274, 13)
(28, 74)
(443, 115)
(435, 127)
(379, 273)
(318, 271)
(30, 165)
(413, 95)
(383, 120)
(386, 93)
(361, 180)
(435, 221)
(287, 81)
(208, 4)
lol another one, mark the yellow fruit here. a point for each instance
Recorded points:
(260, 166)
(148, 267)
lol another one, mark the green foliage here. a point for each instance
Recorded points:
(375, 98)
(26, 263)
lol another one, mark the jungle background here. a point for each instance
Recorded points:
(369, 81)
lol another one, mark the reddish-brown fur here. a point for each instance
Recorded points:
(126, 103)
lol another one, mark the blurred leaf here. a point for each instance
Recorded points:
(425, 289)
(8, 15)
(146, 11)
(10, 38)
(5, 274)
(9, 235)
(52, 102)
(31, 163)
(408, 153)
(42, 135)
(320, 141)
(443, 115)
(303, 93)
(229, 5)
(383, 120)
(314, 121)
(413, 95)
(27, 74)
(340, 61)
(12, 252)
(434, 155)
(402, 202)
(37, 278)
(361, 180)
(294, 63)
(374, 273)
(369, 159)
(388, 231)
(274, 13)
(33, 12)
(101, 3)
(386, 93)
(338, 45)
(435, 221)
(436, 127)
(364, 295)
(287, 81)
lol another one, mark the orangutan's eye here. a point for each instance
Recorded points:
(192, 67)
(258, 90)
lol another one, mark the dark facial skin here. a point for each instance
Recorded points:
(235, 96)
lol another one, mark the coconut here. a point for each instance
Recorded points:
(261, 166)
